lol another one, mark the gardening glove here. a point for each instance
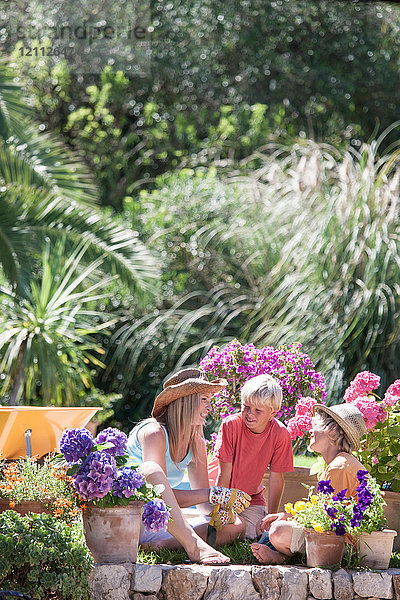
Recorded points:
(229, 498)
(220, 517)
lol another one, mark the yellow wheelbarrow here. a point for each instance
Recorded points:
(36, 430)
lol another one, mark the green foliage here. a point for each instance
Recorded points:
(341, 298)
(223, 82)
(197, 268)
(97, 398)
(383, 441)
(47, 338)
(43, 557)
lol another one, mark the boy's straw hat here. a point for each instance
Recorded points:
(184, 383)
(349, 418)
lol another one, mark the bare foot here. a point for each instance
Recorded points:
(207, 555)
(266, 555)
(214, 558)
(201, 553)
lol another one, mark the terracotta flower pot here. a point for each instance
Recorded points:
(324, 549)
(375, 548)
(23, 508)
(112, 534)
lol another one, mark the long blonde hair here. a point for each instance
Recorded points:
(178, 418)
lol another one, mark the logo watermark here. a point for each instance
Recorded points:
(88, 34)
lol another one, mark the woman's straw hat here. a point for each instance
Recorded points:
(184, 383)
(349, 418)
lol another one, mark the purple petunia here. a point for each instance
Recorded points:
(155, 516)
(75, 444)
(116, 437)
(340, 496)
(325, 487)
(127, 482)
(362, 475)
(365, 498)
(339, 528)
(95, 477)
(331, 511)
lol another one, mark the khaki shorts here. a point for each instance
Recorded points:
(252, 515)
(298, 542)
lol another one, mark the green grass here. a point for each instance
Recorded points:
(301, 460)
(240, 554)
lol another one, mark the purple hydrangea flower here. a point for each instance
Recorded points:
(155, 516)
(116, 437)
(325, 487)
(75, 444)
(127, 482)
(95, 477)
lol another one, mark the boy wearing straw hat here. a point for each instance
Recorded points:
(336, 432)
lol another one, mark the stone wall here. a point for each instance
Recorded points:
(195, 582)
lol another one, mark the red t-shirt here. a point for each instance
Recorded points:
(252, 453)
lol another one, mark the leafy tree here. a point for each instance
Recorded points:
(224, 80)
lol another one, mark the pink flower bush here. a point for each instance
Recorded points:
(238, 362)
(362, 384)
(392, 395)
(299, 425)
(370, 410)
(304, 405)
(379, 449)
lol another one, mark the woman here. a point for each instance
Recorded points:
(168, 443)
(336, 432)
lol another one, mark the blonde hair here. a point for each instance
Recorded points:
(334, 431)
(178, 418)
(262, 390)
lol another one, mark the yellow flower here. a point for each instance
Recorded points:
(299, 505)
(317, 527)
(314, 499)
(293, 512)
(288, 507)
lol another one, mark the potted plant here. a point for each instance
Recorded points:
(114, 493)
(330, 519)
(28, 486)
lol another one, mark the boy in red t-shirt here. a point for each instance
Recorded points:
(250, 442)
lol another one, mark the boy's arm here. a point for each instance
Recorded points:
(275, 490)
(225, 472)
